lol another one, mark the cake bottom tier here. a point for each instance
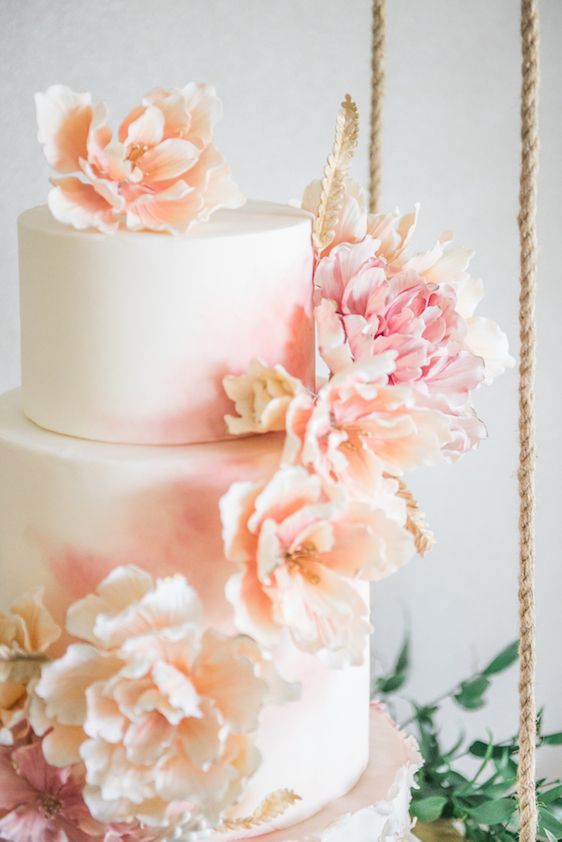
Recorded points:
(71, 510)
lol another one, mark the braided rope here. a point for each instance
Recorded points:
(528, 258)
(377, 92)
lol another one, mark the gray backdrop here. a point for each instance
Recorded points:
(450, 141)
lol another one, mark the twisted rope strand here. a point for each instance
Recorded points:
(377, 94)
(527, 446)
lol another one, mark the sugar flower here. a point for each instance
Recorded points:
(39, 803)
(362, 425)
(300, 554)
(162, 172)
(159, 709)
(261, 398)
(26, 633)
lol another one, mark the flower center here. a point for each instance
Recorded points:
(298, 561)
(49, 804)
(136, 150)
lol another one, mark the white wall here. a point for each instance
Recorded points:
(451, 141)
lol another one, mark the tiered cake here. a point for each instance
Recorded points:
(188, 527)
(127, 338)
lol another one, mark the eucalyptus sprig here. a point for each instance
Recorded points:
(483, 806)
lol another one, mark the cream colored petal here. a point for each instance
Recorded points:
(179, 688)
(122, 587)
(223, 675)
(485, 339)
(38, 630)
(64, 682)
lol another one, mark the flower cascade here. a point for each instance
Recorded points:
(161, 173)
(404, 351)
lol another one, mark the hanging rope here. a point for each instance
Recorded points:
(527, 450)
(377, 93)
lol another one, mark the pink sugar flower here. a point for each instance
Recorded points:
(360, 426)
(300, 554)
(158, 708)
(363, 312)
(39, 803)
(163, 173)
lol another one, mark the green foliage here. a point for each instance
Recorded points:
(485, 804)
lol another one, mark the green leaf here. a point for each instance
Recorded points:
(499, 811)
(552, 739)
(470, 693)
(550, 837)
(549, 822)
(399, 675)
(551, 794)
(503, 660)
(428, 810)
(481, 749)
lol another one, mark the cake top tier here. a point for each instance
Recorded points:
(127, 337)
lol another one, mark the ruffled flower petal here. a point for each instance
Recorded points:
(261, 398)
(168, 160)
(485, 339)
(76, 203)
(63, 120)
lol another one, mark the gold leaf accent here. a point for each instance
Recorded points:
(333, 183)
(440, 831)
(270, 808)
(424, 539)
(19, 667)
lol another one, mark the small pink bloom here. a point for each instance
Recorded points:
(39, 803)
(299, 551)
(162, 173)
(159, 709)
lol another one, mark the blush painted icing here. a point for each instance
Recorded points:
(71, 510)
(127, 338)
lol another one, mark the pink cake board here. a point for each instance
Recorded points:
(376, 809)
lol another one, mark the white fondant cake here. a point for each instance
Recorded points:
(127, 337)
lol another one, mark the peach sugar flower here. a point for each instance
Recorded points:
(261, 398)
(26, 633)
(159, 710)
(360, 426)
(162, 173)
(299, 551)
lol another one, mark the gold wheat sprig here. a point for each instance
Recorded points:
(270, 808)
(332, 191)
(424, 538)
